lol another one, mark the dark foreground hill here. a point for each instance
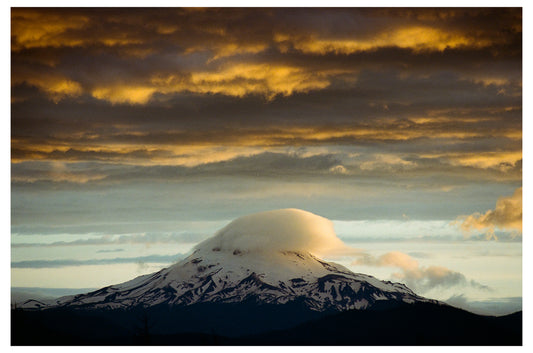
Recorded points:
(418, 324)
(246, 324)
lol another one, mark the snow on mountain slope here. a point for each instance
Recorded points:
(265, 257)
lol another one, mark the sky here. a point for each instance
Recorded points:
(138, 133)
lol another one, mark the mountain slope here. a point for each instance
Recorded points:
(271, 278)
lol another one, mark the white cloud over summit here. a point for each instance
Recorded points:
(278, 230)
(298, 230)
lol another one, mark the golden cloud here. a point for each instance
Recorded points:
(234, 80)
(270, 80)
(417, 38)
(124, 94)
(38, 29)
(56, 87)
(507, 215)
(503, 161)
(149, 155)
(34, 28)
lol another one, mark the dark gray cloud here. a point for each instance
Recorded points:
(120, 115)
(378, 88)
(378, 102)
(157, 29)
(361, 164)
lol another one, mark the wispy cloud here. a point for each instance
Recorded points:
(118, 260)
(109, 250)
(144, 238)
(418, 277)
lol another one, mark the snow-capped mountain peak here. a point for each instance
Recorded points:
(266, 258)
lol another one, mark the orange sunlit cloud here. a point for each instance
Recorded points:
(236, 80)
(417, 38)
(35, 29)
(499, 160)
(507, 215)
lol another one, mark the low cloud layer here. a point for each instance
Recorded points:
(507, 215)
(491, 306)
(164, 259)
(418, 277)
(145, 238)
(327, 163)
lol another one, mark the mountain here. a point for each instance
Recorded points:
(256, 281)
(239, 265)
(214, 276)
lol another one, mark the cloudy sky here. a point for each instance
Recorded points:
(137, 133)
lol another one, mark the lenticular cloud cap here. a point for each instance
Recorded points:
(278, 230)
